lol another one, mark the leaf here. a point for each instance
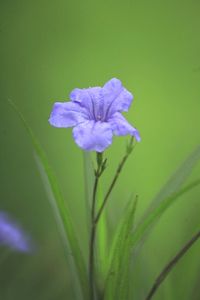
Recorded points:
(164, 199)
(60, 225)
(171, 265)
(64, 213)
(176, 180)
(169, 189)
(116, 286)
(158, 212)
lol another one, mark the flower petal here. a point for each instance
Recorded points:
(120, 126)
(116, 97)
(90, 99)
(93, 136)
(67, 114)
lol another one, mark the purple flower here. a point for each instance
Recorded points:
(12, 236)
(95, 114)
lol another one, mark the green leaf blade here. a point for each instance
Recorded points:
(154, 216)
(116, 286)
(167, 195)
(60, 204)
(177, 179)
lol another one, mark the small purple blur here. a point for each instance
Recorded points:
(12, 236)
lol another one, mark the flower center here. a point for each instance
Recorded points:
(99, 118)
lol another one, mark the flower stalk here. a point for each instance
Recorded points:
(98, 172)
(101, 166)
(167, 269)
(129, 149)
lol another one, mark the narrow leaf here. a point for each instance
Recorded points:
(172, 187)
(164, 199)
(116, 286)
(158, 212)
(64, 239)
(176, 180)
(60, 204)
(172, 263)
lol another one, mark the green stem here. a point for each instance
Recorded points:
(101, 165)
(98, 173)
(118, 171)
(171, 265)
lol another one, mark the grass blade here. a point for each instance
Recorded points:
(64, 239)
(176, 180)
(60, 204)
(168, 268)
(141, 229)
(167, 194)
(116, 286)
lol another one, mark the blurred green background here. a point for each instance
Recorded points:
(47, 49)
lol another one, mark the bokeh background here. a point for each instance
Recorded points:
(47, 49)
